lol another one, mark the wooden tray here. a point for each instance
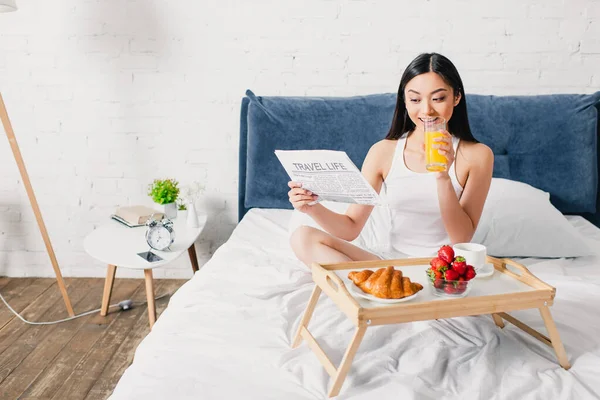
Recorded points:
(511, 288)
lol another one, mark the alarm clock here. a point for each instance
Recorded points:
(160, 234)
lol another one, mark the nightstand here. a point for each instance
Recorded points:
(118, 246)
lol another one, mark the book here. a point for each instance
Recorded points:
(122, 221)
(136, 215)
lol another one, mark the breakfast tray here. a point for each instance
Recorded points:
(512, 287)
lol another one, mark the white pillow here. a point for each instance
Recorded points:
(518, 220)
(375, 235)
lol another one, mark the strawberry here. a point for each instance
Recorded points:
(461, 285)
(431, 274)
(446, 253)
(438, 263)
(470, 272)
(460, 265)
(439, 275)
(438, 283)
(449, 288)
(451, 275)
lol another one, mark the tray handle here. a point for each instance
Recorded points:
(332, 284)
(334, 281)
(519, 271)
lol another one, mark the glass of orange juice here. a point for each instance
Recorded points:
(434, 161)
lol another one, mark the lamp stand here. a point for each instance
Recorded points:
(34, 204)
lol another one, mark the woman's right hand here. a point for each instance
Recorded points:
(300, 198)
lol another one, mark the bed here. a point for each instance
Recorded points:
(226, 333)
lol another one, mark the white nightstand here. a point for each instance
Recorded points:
(118, 246)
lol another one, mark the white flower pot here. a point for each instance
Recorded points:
(182, 214)
(170, 210)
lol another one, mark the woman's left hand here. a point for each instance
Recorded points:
(445, 148)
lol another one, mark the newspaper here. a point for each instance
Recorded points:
(329, 174)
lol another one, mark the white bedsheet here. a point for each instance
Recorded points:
(226, 334)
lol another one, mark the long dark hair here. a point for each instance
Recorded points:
(432, 62)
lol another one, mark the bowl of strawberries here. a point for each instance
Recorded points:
(449, 276)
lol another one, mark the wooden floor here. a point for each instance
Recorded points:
(79, 359)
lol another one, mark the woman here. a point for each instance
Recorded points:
(427, 209)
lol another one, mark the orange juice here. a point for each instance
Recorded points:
(434, 161)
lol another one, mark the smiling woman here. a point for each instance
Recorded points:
(427, 210)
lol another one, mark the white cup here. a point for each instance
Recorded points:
(474, 253)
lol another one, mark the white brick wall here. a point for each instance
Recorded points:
(100, 90)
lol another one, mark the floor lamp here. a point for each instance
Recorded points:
(8, 6)
(34, 204)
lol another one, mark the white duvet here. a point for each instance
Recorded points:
(226, 334)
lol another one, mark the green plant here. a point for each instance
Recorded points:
(181, 204)
(164, 191)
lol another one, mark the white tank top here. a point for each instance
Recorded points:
(416, 228)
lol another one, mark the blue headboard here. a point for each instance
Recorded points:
(549, 141)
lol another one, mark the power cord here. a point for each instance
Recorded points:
(124, 305)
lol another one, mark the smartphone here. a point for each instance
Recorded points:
(149, 256)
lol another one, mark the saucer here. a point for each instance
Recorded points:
(485, 271)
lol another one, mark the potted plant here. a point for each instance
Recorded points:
(181, 206)
(165, 193)
(182, 209)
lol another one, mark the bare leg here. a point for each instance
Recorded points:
(311, 244)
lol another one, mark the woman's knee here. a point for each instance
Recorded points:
(304, 237)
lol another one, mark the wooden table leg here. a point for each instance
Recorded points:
(498, 321)
(108, 285)
(526, 328)
(150, 296)
(561, 354)
(193, 257)
(310, 308)
(344, 367)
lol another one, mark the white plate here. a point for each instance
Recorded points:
(485, 271)
(358, 292)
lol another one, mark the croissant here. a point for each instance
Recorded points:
(385, 283)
